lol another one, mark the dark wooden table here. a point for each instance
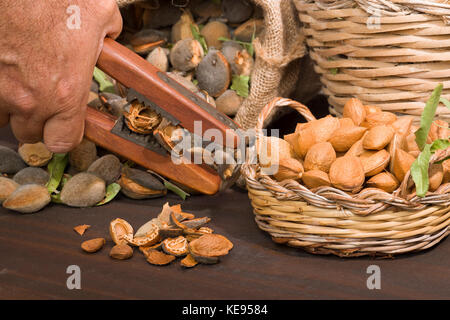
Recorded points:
(36, 250)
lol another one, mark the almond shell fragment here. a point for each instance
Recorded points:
(158, 258)
(118, 229)
(210, 245)
(175, 246)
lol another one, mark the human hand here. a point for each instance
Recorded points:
(46, 67)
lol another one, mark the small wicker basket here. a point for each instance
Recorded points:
(330, 221)
(389, 53)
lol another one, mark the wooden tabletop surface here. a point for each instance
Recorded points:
(36, 250)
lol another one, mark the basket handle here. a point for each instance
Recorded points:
(279, 103)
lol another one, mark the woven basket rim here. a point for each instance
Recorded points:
(365, 202)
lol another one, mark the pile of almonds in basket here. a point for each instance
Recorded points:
(366, 148)
(171, 235)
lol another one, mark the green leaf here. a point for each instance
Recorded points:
(56, 169)
(427, 117)
(104, 84)
(240, 84)
(56, 197)
(111, 192)
(170, 186)
(199, 37)
(334, 71)
(247, 45)
(445, 102)
(419, 171)
(440, 144)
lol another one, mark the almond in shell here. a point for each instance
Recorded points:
(372, 109)
(378, 119)
(436, 175)
(375, 163)
(344, 138)
(289, 168)
(378, 137)
(398, 142)
(438, 130)
(354, 110)
(320, 157)
(323, 129)
(347, 174)
(292, 139)
(402, 163)
(384, 181)
(357, 148)
(272, 149)
(315, 178)
(446, 169)
(121, 252)
(93, 245)
(410, 143)
(346, 123)
(403, 125)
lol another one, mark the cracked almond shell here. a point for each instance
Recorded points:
(188, 261)
(320, 157)
(210, 245)
(159, 258)
(35, 154)
(177, 247)
(151, 237)
(118, 228)
(138, 184)
(186, 54)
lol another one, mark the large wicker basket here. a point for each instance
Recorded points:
(389, 53)
(329, 221)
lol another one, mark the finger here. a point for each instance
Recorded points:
(115, 23)
(26, 129)
(64, 130)
(4, 118)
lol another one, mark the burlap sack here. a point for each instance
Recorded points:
(277, 64)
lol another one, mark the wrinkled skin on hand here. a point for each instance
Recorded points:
(46, 67)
